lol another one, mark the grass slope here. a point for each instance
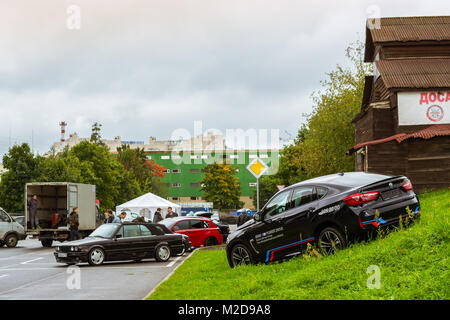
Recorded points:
(413, 264)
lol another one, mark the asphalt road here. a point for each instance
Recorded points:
(30, 271)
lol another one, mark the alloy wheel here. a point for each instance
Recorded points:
(240, 256)
(97, 256)
(330, 242)
(164, 252)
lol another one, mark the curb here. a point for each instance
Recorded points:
(168, 276)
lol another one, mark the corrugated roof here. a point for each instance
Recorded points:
(427, 133)
(419, 73)
(405, 29)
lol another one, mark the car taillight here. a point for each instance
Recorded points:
(407, 185)
(360, 198)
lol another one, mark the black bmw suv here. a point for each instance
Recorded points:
(329, 211)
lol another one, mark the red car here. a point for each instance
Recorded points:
(201, 232)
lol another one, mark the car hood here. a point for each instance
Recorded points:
(246, 224)
(85, 241)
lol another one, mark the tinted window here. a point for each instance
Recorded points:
(199, 224)
(277, 205)
(145, 231)
(130, 231)
(302, 196)
(181, 225)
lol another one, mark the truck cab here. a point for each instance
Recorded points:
(10, 230)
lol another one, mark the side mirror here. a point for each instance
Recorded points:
(257, 217)
(118, 236)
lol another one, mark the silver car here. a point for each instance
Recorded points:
(10, 230)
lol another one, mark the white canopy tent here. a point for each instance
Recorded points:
(147, 204)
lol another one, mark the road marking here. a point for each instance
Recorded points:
(25, 262)
(173, 262)
(3, 276)
(32, 283)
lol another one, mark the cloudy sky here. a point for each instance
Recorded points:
(146, 68)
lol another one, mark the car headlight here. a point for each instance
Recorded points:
(58, 248)
(74, 249)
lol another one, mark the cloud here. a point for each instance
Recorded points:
(146, 68)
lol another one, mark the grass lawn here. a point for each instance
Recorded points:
(413, 264)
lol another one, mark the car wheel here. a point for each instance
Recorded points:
(47, 243)
(211, 241)
(96, 256)
(2, 244)
(137, 260)
(11, 241)
(240, 255)
(183, 251)
(331, 240)
(162, 252)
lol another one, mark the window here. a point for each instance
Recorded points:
(321, 192)
(176, 185)
(149, 157)
(302, 196)
(234, 156)
(252, 156)
(277, 205)
(130, 231)
(194, 157)
(176, 157)
(165, 157)
(263, 156)
(145, 231)
(252, 184)
(199, 224)
(175, 198)
(181, 225)
(195, 185)
(194, 198)
(3, 216)
(176, 170)
(205, 156)
(167, 171)
(195, 170)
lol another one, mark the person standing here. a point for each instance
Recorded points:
(73, 222)
(32, 210)
(157, 216)
(170, 213)
(110, 216)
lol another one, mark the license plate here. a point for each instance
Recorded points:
(62, 255)
(390, 194)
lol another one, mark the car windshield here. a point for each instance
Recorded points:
(105, 231)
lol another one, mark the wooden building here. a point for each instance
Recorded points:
(404, 123)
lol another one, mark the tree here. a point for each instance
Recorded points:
(147, 173)
(221, 187)
(95, 134)
(21, 165)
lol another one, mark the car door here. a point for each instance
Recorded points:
(199, 231)
(269, 233)
(128, 246)
(148, 242)
(5, 224)
(183, 227)
(296, 220)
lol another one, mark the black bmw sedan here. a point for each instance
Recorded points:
(121, 241)
(329, 211)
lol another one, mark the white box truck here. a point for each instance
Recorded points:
(55, 201)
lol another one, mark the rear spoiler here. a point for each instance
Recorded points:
(393, 179)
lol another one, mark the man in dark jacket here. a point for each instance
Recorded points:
(170, 213)
(73, 224)
(32, 211)
(110, 216)
(157, 216)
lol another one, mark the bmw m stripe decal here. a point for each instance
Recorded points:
(269, 256)
(376, 223)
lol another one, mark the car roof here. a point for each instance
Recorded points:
(345, 179)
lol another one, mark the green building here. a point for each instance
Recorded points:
(184, 171)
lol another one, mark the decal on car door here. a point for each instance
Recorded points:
(269, 235)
